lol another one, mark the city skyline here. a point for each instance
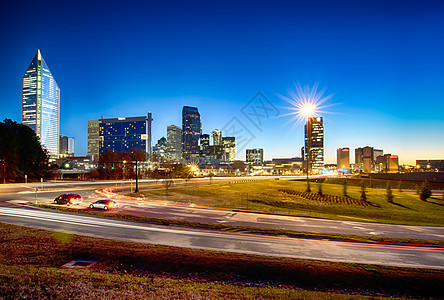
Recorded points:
(380, 61)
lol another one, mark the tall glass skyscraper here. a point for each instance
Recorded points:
(191, 131)
(314, 144)
(40, 103)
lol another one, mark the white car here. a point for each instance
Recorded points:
(104, 204)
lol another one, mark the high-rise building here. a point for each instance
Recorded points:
(255, 156)
(388, 163)
(343, 159)
(229, 143)
(216, 134)
(314, 144)
(66, 147)
(204, 142)
(41, 103)
(149, 147)
(174, 142)
(93, 139)
(191, 132)
(364, 159)
(123, 134)
(376, 153)
(160, 149)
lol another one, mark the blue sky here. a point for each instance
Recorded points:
(382, 61)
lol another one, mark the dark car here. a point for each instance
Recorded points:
(104, 204)
(68, 199)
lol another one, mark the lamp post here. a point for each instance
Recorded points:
(4, 170)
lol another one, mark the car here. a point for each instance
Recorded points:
(68, 199)
(104, 204)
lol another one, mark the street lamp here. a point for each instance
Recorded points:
(4, 170)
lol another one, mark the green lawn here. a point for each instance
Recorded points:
(265, 196)
(31, 267)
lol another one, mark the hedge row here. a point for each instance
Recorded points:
(326, 198)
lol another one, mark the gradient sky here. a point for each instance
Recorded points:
(383, 61)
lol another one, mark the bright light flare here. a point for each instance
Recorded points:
(306, 102)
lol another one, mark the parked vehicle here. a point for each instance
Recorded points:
(68, 199)
(104, 204)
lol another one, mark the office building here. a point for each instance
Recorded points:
(255, 156)
(431, 164)
(343, 159)
(229, 143)
(174, 142)
(314, 144)
(160, 150)
(377, 153)
(388, 163)
(123, 134)
(41, 104)
(204, 142)
(191, 132)
(364, 159)
(66, 147)
(149, 147)
(93, 140)
(216, 134)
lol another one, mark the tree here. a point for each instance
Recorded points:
(344, 188)
(109, 165)
(363, 191)
(320, 189)
(167, 182)
(389, 193)
(400, 185)
(308, 189)
(211, 175)
(425, 191)
(21, 153)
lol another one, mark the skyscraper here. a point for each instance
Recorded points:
(174, 142)
(229, 143)
(364, 159)
(191, 131)
(93, 139)
(343, 159)
(41, 103)
(314, 144)
(66, 146)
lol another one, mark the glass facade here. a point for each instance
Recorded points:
(40, 103)
(93, 139)
(314, 144)
(174, 142)
(229, 143)
(191, 132)
(123, 134)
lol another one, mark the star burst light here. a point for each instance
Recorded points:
(306, 102)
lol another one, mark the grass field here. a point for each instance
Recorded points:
(265, 196)
(31, 263)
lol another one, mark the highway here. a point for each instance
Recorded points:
(13, 211)
(338, 251)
